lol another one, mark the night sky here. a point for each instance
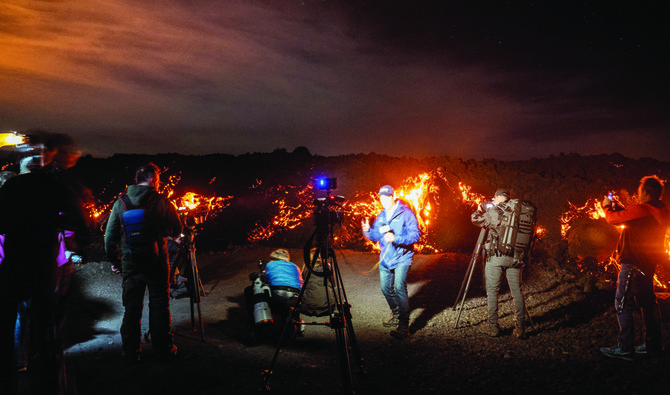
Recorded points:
(470, 79)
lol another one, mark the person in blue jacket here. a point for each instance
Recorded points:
(396, 229)
(285, 281)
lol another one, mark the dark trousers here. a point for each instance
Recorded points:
(134, 286)
(47, 368)
(635, 292)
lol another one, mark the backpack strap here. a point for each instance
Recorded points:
(146, 200)
(127, 204)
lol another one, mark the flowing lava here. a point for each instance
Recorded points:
(470, 197)
(593, 209)
(204, 207)
(294, 204)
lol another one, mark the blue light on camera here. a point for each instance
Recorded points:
(324, 183)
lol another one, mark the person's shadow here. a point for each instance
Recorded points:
(443, 275)
(84, 311)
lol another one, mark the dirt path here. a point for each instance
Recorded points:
(561, 355)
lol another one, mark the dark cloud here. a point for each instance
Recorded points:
(394, 77)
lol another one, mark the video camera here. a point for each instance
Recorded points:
(191, 218)
(327, 210)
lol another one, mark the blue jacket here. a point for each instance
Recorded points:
(406, 230)
(282, 273)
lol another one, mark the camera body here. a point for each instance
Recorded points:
(327, 210)
(262, 294)
(616, 203)
(325, 184)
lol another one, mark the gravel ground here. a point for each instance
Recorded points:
(560, 354)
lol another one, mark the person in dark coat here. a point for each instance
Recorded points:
(150, 271)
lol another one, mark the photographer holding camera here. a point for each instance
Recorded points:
(641, 248)
(285, 281)
(490, 215)
(396, 229)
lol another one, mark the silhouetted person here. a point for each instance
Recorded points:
(35, 208)
(641, 248)
(147, 271)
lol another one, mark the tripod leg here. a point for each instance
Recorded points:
(529, 317)
(473, 259)
(346, 311)
(195, 296)
(460, 309)
(473, 262)
(343, 354)
(468, 274)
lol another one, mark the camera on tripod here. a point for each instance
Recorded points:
(327, 210)
(329, 298)
(192, 217)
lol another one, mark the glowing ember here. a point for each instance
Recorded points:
(190, 202)
(294, 204)
(205, 206)
(591, 209)
(469, 197)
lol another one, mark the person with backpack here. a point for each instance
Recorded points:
(140, 222)
(500, 259)
(641, 247)
(285, 281)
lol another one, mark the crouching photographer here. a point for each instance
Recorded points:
(284, 281)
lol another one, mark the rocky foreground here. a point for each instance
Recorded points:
(560, 354)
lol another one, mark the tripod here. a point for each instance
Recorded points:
(468, 274)
(187, 264)
(339, 309)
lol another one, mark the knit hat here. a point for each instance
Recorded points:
(281, 254)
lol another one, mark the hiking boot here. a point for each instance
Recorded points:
(519, 332)
(492, 330)
(651, 352)
(618, 352)
(391, 322)
(401, 332)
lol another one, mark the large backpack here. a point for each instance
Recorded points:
(137, 234)
(517, 229)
